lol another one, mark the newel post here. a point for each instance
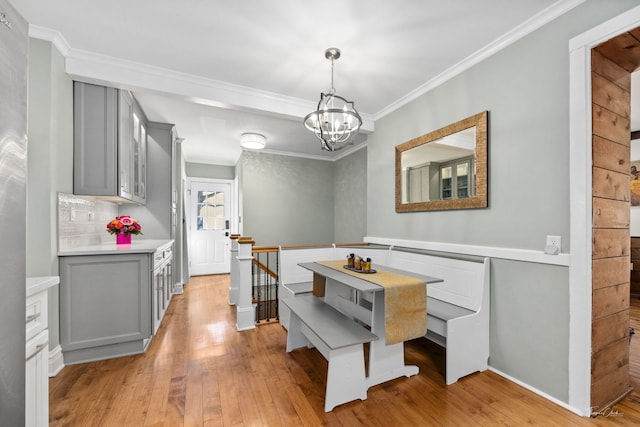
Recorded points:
(235, 272)
(245, 310)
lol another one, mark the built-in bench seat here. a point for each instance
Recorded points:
(338, 338)
(457, 308)
(300, 288)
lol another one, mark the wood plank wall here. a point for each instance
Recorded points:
(611, 140)
(635, 261)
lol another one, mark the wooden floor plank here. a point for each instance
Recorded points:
(200, 371)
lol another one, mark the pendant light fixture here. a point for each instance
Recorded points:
(336, 121)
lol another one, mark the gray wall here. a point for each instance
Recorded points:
(50, 164)
(202, 170)
(287, 200)
(525, 88)
(350, 192)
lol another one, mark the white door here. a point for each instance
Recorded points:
(209, 227)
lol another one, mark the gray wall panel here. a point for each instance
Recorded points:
(350, 189)
(50, 164)
(287, 200)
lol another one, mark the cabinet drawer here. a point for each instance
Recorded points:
(37, 344)
(36, 314)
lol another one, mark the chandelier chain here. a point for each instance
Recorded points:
(332, 91)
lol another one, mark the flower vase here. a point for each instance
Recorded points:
(123, 239)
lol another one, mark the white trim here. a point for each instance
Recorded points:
(343, 153)
(56, 361)
(100, 69)
(544, 17)
(526, 255)
(55, 37)
(106, 70)
(580, 278)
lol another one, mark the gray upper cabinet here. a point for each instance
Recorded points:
(110, 143)
(158, 214)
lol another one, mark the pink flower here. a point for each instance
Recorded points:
(124, 225)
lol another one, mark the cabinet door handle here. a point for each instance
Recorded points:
(32, 317)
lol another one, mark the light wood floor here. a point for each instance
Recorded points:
(199, 371)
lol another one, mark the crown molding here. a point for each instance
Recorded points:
(544, 17)
(53, 36)
(102, 69)
(343, 153)
(124, 74)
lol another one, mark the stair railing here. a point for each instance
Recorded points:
(265, 283)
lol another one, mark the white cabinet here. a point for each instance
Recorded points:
(110, 142)
(37, 381)
(37, 351)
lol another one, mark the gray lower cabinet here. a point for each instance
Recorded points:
(162, 284)
(105, 305)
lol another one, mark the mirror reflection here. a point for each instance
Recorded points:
(445, 169)
(440, 170)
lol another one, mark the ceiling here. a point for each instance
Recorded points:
(218, 68)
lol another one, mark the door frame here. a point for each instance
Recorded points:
(581, 221)
(233, 207)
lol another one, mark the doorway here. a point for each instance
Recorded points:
(211, 207)
(602, 60)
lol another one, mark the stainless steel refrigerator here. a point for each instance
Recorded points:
(14, 45)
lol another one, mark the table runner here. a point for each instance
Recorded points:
(405, 300)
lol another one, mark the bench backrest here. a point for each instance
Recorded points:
(466, 281)
(291, 272)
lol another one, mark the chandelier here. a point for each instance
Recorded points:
(336, 121)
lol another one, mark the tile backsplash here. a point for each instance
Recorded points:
(82, 221)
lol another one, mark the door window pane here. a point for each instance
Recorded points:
(210, 210)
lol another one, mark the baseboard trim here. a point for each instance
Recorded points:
(56, 361)
(177, 288)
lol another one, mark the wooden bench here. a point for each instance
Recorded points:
(338, 338)
(458, 311)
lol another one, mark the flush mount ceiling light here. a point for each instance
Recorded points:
(336, 121)
(253, 141)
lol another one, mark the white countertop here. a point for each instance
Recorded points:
(136, 246)
(38, 284)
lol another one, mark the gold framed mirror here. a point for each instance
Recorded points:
(444, 169)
